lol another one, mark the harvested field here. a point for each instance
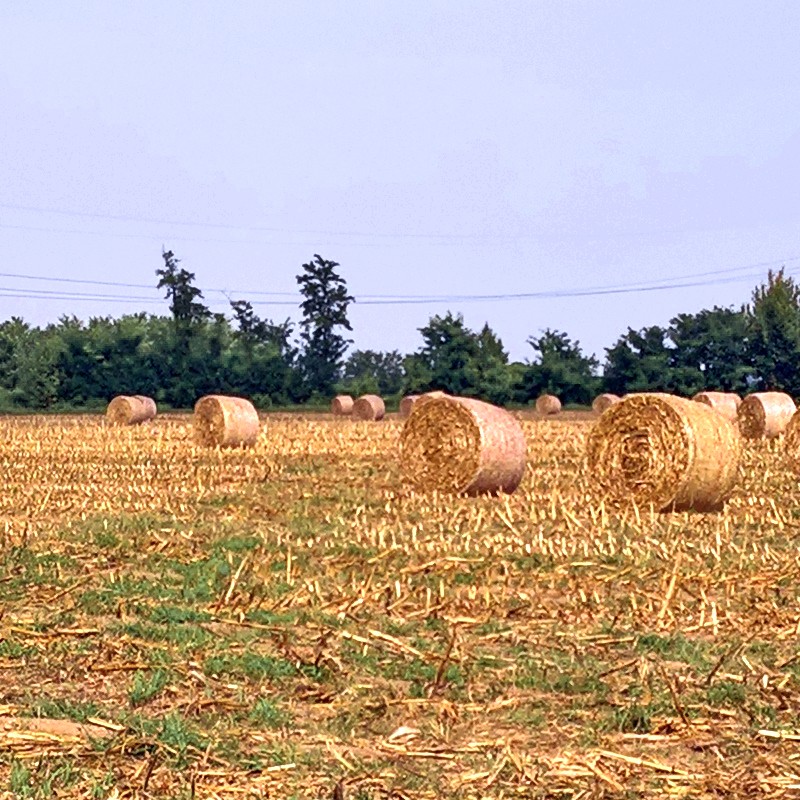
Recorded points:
(290, 620)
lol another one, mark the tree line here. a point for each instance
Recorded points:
(179, 357)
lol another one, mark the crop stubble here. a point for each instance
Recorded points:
(293, 617)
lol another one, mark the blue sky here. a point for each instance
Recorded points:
(432, 148)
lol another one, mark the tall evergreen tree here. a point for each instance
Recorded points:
(324, 314)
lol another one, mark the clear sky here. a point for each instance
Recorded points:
(431, 147)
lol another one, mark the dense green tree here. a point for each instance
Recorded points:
(710, 351)
(775, 334)
(14, 333)
(639, 362)
(324, 314)
(372, 372)
(560, 368)
(459, 361)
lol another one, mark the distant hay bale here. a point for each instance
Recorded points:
(548, 404)
(221, 421)
(604, 401)
(130, 410)
(150, 404)
(666, 452)
(369, 407)
(459, 445)
(341, 405)
(726, 403)
(765, 415)
(409, 401)
(791, 442)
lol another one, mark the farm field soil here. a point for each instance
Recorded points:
(290, 621)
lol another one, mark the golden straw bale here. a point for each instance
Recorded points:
(727, 403)
(604, 401)
(126, 410)
(548, 404)
(150, 404)
(664, 452)
(765, 414)
(459, 445)
(369, 407)
(341, 405)
(221, 421)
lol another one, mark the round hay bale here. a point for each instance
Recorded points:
(130, 410)
(150, 404)
(341, 405)
(221, 421)
(369, 407)
(726, 403)
(459, 445)
(765, 415)
(791, 442)
(604, 401)
(548, 404)
(407, 403)
(665, 452)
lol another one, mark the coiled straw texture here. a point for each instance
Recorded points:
(664, 452)
(459, 445)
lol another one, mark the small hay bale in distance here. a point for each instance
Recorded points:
(458, 445)
(791, 443)
(727, 403)
(765, 415)
(604, 401)
(665, 452)
(369, 408)
(548, 404)
(342, 405)
(221, 421)
(409, 401)
(130, 410)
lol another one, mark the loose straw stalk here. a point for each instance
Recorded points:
(665, 452)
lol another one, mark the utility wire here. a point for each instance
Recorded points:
(675, 282)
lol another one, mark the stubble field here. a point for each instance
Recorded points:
(290, 621)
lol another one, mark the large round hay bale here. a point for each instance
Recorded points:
(765, 415)
(666, 452)
(726, 403)
(462, 446)
(341, 405)
(369, 407)
(604, 401)
(221, 421)
(548, 404)
(409, 401)
(130, 410)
